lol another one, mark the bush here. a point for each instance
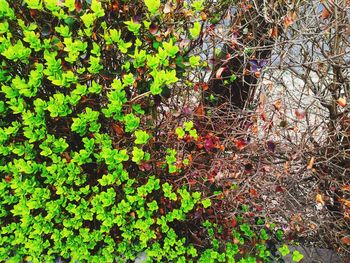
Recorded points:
(90, 172)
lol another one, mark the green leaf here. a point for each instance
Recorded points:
(141, 137)
(297, 256)
(152, 5)
(193, 133)
(188, 125)
(194, 61)
(156, 88)
(95, 65)
(198, 5)
(88, 19)
(34, 4)
(115, 35)
(180, 132)
(233, 77)
(133, 27)
(96, 7)
(170, 48)
(4, 27)
(284, 250)
(152, 61)
(263, 234)
(131, 122)
(95, 88)
(206, 203)
(70, 4)
(195, 31)
(137, 155)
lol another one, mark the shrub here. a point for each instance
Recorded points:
(87, 175)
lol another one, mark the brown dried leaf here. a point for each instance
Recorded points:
(199, 111)
(319, 199)
(311, 163)
(167, 8)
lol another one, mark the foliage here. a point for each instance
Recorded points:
(85, 173)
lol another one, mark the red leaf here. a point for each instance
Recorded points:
(117, 129)
(325, 13)
(300, 113)
(253, 192)
(209, 144)
(240, 144)
(273, 32)
(153, 29)
(78, 6)
(279, 189)
(233, 222)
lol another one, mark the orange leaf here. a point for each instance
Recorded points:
(311, 163)
(289, 19)
(199, 111)
(325, 13)
(319, 199)
(240, 144)
(257, 74)
(346, 188)
(342, 102)
(117, 129)
(278, 104)
(253, 192)
(346, 202)
(345, 240)
(273, 32)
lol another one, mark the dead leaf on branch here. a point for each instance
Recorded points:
(319, 199)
